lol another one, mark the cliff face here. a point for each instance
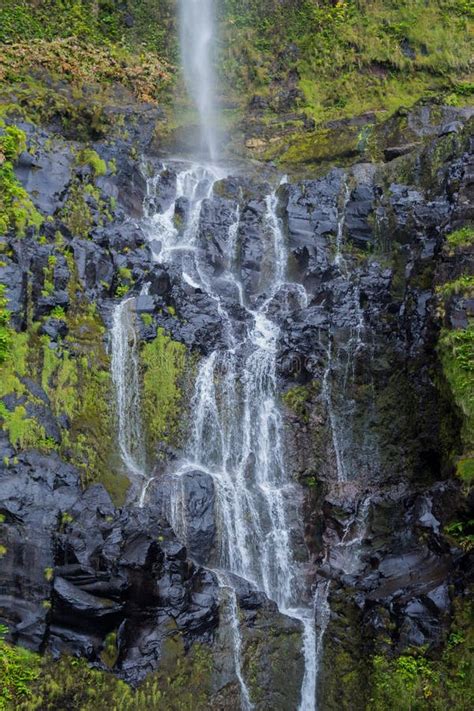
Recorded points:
(374, 372)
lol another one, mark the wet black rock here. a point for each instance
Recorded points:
(82, 569)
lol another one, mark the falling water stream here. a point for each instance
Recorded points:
(197, 40)
(125, 375)
(237, 431)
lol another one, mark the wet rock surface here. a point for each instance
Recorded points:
(365, 425)
(83, 569)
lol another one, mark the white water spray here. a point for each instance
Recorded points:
(237, 434)
(197, 34)
(125, 376)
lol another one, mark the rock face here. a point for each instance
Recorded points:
(84, 570)
(370, 431)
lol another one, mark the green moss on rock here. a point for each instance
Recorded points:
(456, 350)
(414, 681)
(17, 211)
(30, 682)
(298, 399)
(164, 364)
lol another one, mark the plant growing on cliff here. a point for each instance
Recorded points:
(17, 211)
(456, 349)
(461, 238)
(5, 333)
(19, 668)
(164, 362)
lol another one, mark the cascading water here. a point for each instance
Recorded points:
(237, 433)
(197, 34)
(125, 375)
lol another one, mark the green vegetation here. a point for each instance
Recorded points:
(85, 41)
(462, 285)
(18, 669)
(463, 237)
(147, 319)
(298, 399)
(23, 431)
(5, 332)
(341, 59)
(456, 350)
(164, 364)
(97, 22)
(85, 208)
(16, 209)
(76, 378)
(124, 282)
(413, 681)
(462, 531)
(29, 682)
(89, 157)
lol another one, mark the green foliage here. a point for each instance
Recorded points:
(76, 377)
(33, 683)
(12, 143)
(298, 399)
(463, 237)
(350, 57)
(97, 22)
(164, 363)
(23, 431)
(124, 282)
(18, 670)
(462, 285)
(462, 532)
(89, 157)
(17, 212)
(5, 331)
(456, 350)
(147, 319)
(465, 469)
(412, 681)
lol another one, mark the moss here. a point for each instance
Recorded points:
(76, 213)
(147, 319)
(336, 60)
(23, 432)
(110, 652)
(34, 683)
(17, 211)
(298, 399)
(461, 238)
(76, 377)
(89, 157)
(164, 364)
(462, 285)
(465, 469)
(456, 350)
(124, 282)
(413, 681)
(5, 331)
(14, 364)
(91, 435)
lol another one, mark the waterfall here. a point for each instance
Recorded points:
(237, 435)
(234, 624)
(197, 34)
(237, 432)
(125, 376)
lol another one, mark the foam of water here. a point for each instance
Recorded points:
(237, 431)
(197, 33)
(125, 376)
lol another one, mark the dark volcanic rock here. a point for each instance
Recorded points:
(97, 568)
